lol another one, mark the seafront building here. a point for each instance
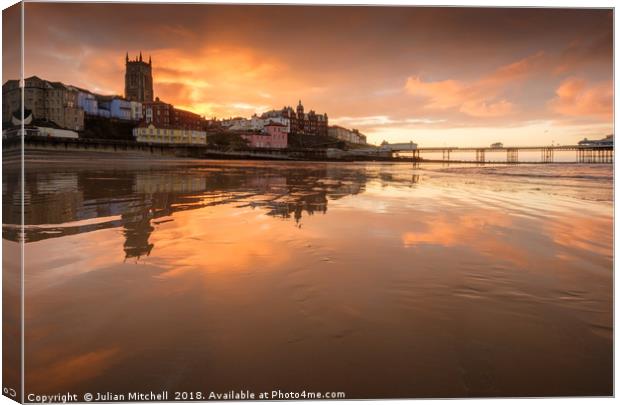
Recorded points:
(136, 110)
(61, 107)
(273, 136)
(34, 128)
(157, 112)
(285, 122)
(607, 141)
(34, 97)
(56, 132)
(302, 123)
(163, 114)
(48, 101)
(65, 105)
(255, 123)
(87, 101)
(149, 133)
(347, 135)
(187, 120)
(114, 107)
(299, 122)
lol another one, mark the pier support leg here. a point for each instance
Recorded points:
(512, 155)
(546, 155)
(480, 155)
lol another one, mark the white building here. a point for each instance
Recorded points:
(398, 146)
(255, 123)
(227, 123)
(347, 135)
(252, 124)
(136, 110)
(57, 133)
(278, 120)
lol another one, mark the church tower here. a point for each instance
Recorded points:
(300, 111)
(138, 79)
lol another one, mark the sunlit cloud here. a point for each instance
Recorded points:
(245, 106)
(366, 121)
(577, 97)
(471, 71)
(479, 98)
(474, 99)
(383, 120)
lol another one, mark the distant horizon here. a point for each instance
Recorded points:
(435, 76)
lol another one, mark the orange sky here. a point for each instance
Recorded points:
(439, 76)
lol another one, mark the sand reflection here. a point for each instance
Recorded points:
(378, 280)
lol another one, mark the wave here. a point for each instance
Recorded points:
(559, 173)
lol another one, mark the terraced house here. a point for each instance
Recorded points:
(48, 101)
(149, 133)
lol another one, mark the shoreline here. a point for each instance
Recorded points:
(50, 156)
(39, 149)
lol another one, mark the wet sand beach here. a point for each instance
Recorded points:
(376, 280)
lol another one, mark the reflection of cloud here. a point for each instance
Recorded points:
(475, 231)
(583, 234)
(222, 246)
(73, 369)
(446, 231)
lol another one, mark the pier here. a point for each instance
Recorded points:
(583, 154)
(387, 152)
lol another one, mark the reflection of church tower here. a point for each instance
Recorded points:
(138, 79)
(138, 229)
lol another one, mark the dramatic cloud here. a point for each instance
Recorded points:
(481, 98)
(474, 99)
(435, 74)
(576, 97)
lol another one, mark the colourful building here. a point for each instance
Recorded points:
(149, 133)
(159, 113)
(274, 136)
(86, 101)
(187, 120)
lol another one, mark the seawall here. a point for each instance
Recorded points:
(129, 150)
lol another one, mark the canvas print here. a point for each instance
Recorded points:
(306, 202)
